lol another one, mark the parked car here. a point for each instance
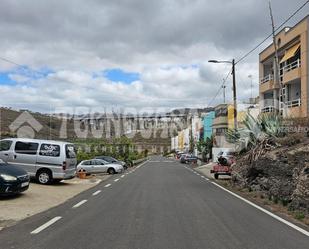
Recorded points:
(13, 179)
(188, 158)
(99, 166)
(112, 160)
(45, 160)
(179, 155)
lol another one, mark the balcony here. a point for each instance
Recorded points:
(266, 78)
(291, 71)
(266, 83)
(291, 103)
(293, 108)
(267, 109)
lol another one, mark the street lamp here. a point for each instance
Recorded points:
(234, 87)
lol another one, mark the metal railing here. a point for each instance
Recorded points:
(291, 103)
(268, 109)
(266, 78)
(291, 66)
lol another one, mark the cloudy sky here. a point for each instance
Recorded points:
(130, 53)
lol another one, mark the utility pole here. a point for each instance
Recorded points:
(277, 66)
(234, 87)
(234, 94)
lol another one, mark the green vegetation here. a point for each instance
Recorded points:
(256, 130)
(121, 148)
(205, 147)
(299, 215)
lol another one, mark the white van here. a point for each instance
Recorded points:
(45, 160)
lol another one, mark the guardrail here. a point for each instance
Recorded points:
(138, 161)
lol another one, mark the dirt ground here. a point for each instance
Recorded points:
(39, 198)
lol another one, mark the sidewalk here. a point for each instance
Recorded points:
(42, 197)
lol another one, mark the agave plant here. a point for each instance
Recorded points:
(255, 130)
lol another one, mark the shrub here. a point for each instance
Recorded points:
(299, 215)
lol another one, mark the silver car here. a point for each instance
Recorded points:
(99, 166)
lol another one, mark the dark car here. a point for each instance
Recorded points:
(110, 159)
(13, 179)
(188, 158)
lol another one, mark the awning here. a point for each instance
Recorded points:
(290, 52)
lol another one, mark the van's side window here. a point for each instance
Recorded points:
(5, 145)
(50, 150)
(26, 148)
(70, 151)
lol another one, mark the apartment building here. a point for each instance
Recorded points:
(287, 92)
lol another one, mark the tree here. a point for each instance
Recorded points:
(205, 148)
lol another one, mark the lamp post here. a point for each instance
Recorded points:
(234, 87)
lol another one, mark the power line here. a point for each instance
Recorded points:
(221, 87)
(258, 45)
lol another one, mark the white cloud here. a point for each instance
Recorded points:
(75, 39)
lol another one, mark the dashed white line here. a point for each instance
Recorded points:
(107, 185)
(96, 193)
(122, 176)
(79, 204)
(116, 180)
(46, 225)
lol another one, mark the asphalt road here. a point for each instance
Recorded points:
(160, 205)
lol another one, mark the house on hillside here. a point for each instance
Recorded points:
(292, 99)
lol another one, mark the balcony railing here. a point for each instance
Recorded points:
(291, 66)
(291, 103)
(266, 78)
(268, 109)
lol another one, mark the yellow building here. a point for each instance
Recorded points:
(181, 140)
(292, 99)
(224, 120)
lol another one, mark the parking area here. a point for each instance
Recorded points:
(39, 198)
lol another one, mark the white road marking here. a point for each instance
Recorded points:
(107, 185)
(122, 176)
(96, 193)
(79, 204)
(265, 211)
(116, 180)
(127, 173)
(46, 225)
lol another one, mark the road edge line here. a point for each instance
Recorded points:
(290, 224)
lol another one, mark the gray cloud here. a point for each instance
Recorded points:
(144, 36)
